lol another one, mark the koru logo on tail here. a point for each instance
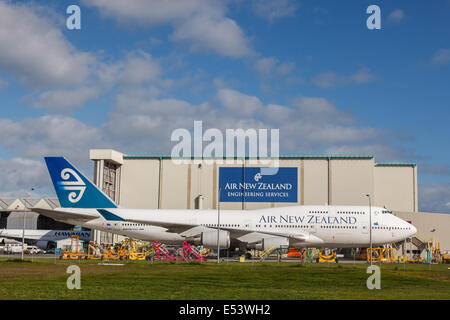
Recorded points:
(72, 185)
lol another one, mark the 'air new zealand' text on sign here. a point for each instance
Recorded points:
(250, 185)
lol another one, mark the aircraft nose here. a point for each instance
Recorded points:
(413, 229)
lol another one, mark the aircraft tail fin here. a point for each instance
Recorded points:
(73, 189)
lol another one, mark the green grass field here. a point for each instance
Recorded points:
(46, 279)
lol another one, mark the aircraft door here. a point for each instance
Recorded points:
(365, 228)
(248, 224)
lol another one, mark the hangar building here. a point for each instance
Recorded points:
(157, 181)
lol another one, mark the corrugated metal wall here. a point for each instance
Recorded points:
(157, 182)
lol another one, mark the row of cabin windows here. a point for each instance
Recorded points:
(222, 225)
(338, 227)
(285, 226)
(339, 212)
(351, 212)
(282, 226)
(392, 228)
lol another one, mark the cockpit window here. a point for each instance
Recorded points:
(386, 212)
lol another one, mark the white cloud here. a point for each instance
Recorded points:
(151, 119)
(150, 12)
(136, 69)
(434, 198)
(34, 50)
(286, 68)
(49, 135)
(140, 122)
(311, 124)
(21, 177)
(272, 10)
(210, 33)
(241, 105)
(200, 23)
(320, 109)
(362, 76)
(268, 66)
(62, 100)
(140, 68)
(397, 15)
(332, 79)
(441, 57)
(265, 66)
(327, 80)
(372, 145)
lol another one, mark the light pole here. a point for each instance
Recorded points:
(370, 228)
(23, 234)
(218, 225)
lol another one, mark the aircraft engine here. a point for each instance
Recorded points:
(42, 245)
(209, 239)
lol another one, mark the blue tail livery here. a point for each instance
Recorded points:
(109, 216)
(73, 189)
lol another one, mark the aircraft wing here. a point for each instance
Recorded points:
(64, 216)
(16, 234)
(180, 227)
(234, 232)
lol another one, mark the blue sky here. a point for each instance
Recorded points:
(139, 69)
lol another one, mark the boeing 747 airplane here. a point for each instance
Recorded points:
(82, 203)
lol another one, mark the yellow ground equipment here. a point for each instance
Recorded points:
(414, 259)
(361, 254)
(130, 251)
(434, 254)
(94, 251)
(110, 252)
(266, 252)
(384, 255)
(445, 258)
(206, 252)
(323, 257)
(133, 255)
(74, 253)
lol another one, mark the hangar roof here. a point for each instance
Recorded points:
(247, 157)
(386, 164)
(25, 204)
(115, 156)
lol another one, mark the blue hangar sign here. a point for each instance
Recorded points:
(251, 184)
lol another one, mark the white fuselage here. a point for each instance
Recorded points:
(43, 235)
(324, 226)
